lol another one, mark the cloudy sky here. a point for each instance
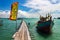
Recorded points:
(31, 8)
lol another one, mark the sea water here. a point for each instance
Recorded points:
(55, 35)
(9, 28)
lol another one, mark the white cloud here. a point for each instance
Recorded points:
(44, 5)
(56, 15)
(4, 14)
(54, 1)
(21, 14)
(24, 14)
(27, 14)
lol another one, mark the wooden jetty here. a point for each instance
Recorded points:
(22, 33)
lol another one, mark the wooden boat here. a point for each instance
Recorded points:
(45, 25)
(58, 18)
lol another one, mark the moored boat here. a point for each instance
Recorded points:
(45, 24)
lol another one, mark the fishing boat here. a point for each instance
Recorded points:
(58, 18)
(45, 24)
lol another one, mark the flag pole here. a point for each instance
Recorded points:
(14, 11)
(16, 22)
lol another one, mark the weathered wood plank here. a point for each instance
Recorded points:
(22, 33)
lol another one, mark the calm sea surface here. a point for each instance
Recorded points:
(9, 28)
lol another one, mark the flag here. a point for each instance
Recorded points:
(14, 11)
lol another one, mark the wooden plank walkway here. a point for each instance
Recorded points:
(22, 33)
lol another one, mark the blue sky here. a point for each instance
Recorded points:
(6, 4)
(27, 8)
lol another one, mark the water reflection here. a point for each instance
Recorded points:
(45, 35)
